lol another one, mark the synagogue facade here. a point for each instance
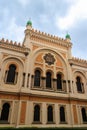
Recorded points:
(41, 83)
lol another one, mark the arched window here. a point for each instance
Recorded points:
(48, 80)
(37, 78)
(62, 114)
(59, 81)
(37, 113)
(50, 114)
(5, 112)
(11, 74)
(78, 83)
(84, 116)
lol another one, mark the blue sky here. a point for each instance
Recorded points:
(56, 17)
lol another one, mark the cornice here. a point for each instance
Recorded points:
(28, 95)
(48, 37)
(78, 62)
(14, 46)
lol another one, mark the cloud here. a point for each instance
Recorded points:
(76, 12)
(24, 2)
(13, 31)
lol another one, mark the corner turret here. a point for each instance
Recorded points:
(28, 29)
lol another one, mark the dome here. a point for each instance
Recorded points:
(29, 23)
(68, 36)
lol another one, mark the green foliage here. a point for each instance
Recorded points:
(33, 128)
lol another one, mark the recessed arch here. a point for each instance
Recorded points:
(50, 113)
(48, 50)
(62, 114)
(80, 74)
(48, 79)
(37, 113)
(5, 112)
(84, 116)
(56, 54)
(80, 79)
(40, 50)
(12, 61)
(11, 74)
(37, 78)
(38, 68)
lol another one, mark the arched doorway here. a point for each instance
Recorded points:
(5, 112)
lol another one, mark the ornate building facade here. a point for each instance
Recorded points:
(41, 84)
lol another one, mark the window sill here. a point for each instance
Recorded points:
(10, 83)
(50, 122)
(80, 92)
(36, 122)
(36, 88)
(61, 91)
(85, 122)
(64, 122)
(4, 122)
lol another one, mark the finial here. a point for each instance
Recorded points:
(68, 36)
(29, 23)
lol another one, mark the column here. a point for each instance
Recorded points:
(72, 88)
(43, 82)
(79, 114)
(5, 76)
(32, 81)
(56, 114)
(64, 87)
(12, 110)
(18, 113)
(44, 113)
(23, 81)
(16, 77)
(0, 108)
(28, 80)
(55, 84)
(69, 86)
(83, 89)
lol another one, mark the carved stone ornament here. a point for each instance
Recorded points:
(49, 59)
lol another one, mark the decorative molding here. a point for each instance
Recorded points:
(13, 46)
(78, 62)
(36, 34)
(49, 59)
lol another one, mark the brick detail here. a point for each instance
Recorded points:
(75, 115)
(23, 112)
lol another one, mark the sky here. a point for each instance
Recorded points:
(56, 17)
